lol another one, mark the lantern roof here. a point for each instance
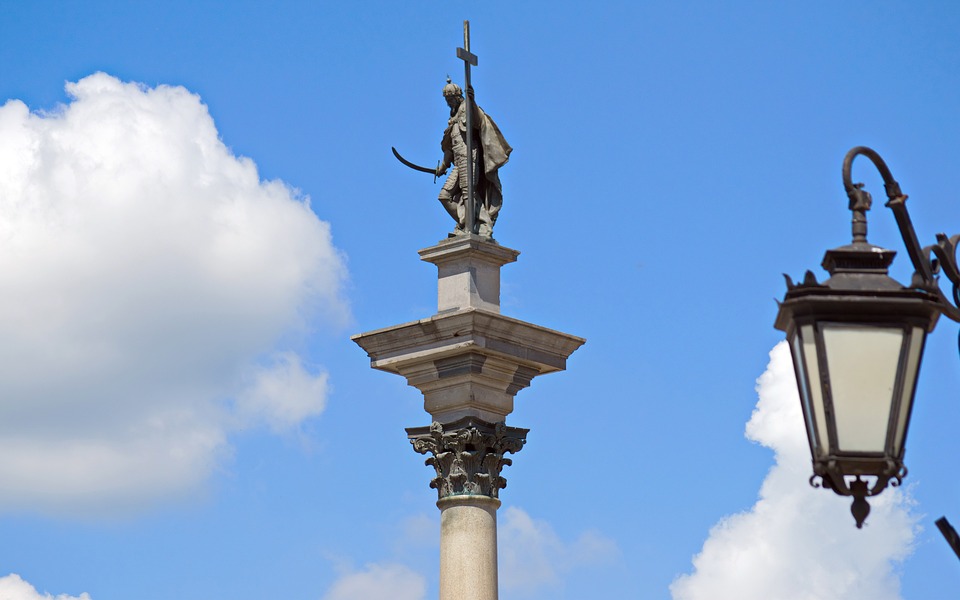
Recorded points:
(859, 283)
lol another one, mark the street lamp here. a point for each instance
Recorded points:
(857, 343)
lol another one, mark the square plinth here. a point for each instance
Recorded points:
(468, 272)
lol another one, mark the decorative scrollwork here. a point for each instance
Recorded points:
(467, 454)
(926, 268)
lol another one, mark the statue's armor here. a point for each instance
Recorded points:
(490, 152)
(452, 194)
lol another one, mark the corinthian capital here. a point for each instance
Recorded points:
(467, 454)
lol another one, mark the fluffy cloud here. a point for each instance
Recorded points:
(147, 279)
(533, 557)
(390, 580)
(12, 587)
(283, 394)
(797, 542)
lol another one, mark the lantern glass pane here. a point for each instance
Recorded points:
(804, 385)
(812, 393)
(909, 383)
(862, 363)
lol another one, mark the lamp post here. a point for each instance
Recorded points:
(857, 342)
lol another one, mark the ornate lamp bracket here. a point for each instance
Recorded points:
(926, 269)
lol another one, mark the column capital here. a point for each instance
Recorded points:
(468, 455)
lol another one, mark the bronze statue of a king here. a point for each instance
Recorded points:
(473, 145)
(489, 152)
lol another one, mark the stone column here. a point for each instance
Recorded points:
(468, 548)
(469, 361)
(467, 456)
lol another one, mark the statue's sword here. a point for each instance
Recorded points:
(416, 167)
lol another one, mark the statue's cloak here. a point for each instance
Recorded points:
(494, 150)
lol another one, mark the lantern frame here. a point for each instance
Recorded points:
(860, 297)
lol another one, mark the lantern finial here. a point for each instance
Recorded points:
(860, 507)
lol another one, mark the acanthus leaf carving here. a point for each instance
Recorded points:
(467, 455)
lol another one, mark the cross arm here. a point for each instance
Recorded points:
(467, 56)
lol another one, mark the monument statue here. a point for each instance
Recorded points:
(491, 153)
(472, 143)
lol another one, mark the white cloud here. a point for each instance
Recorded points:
(532, 556)
(147, 277)
(12, 587)
(797, 542)
(389, 580)
(421, 530)
(283, 394)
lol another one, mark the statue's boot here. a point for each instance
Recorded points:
(450, 198)
(453, 208)
(486, 221)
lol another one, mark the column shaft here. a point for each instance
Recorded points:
(468, 548)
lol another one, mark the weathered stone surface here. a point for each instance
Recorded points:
(468, 548)
(468, 455)
(468, 272)
(468, 359)
(468, 362)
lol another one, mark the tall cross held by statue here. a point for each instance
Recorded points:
(469, 59)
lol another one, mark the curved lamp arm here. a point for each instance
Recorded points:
(925, 269)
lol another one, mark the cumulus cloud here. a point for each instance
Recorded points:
(533, 557)
(797, 542)
(283, 394)
(12, 587)
(148, 278)
(388, 580)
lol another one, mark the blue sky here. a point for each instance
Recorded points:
(671, 161)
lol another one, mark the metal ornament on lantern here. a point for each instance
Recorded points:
(857, 343)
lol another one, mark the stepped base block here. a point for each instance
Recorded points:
(468, 272)
(469, 362)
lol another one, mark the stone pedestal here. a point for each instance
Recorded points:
(469, 361)
(468, 272)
